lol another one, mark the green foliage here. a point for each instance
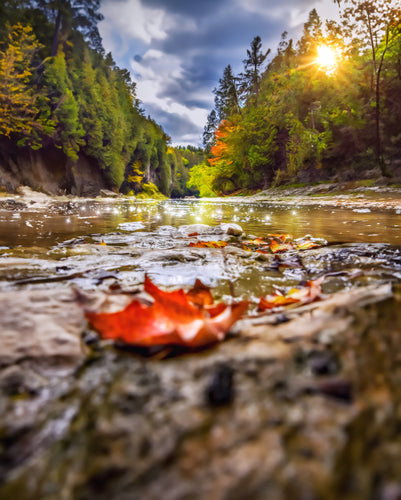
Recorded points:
(201, 178)
(299, 122)
(64, 107)
(149, 190)
(181, 161)
(21, 116)
(77, 99)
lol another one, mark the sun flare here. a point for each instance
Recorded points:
(327, 59)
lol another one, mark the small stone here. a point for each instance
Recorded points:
(106, 193)
(391, 491)
(220, 391)
(200, 229)
(323, 363)
(232, 229)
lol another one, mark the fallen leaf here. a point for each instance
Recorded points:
(208, 244)
(193, 234)
(307, 245)
(282, 238)
(200, 295)
(280, 247)
(172, 319)
(279, 243)
(302, 295)
(256, 242)
(274, 244)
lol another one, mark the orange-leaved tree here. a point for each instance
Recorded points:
(222, 162)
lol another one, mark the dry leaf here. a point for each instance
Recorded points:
(172, 319)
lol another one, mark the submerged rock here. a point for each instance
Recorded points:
(287, 407)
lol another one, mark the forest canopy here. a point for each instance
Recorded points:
(327, 106)
(59, 88)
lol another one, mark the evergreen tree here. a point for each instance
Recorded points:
(64, 107)
(66, 16)
(226, 95)
(208, 138)
(312, 33)
(250, 79)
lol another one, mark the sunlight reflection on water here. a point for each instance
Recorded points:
(258, 218)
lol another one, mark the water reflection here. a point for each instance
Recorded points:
(67, 220)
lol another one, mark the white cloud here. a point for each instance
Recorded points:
(134, 20)
(293, 12)
(158, 70)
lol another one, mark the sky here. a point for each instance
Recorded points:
(176, 50)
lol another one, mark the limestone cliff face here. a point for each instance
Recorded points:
(49, 170)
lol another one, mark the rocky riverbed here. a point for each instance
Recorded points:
(302, 402)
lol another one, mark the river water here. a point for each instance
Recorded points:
(58, 222)
(92, 244)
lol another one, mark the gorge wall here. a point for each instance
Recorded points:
(49, 170)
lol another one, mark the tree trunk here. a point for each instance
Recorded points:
(377, 121)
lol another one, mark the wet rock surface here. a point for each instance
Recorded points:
(277, 411)
(303, 403)
(42, 328)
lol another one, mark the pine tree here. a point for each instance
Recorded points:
(250, 79)
(69, 15)
(312, 33)
(226, 95)
(64, 106)
(208, 138)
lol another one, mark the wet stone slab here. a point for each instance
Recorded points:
(279, 410)
(43, 327)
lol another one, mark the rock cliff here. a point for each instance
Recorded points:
(49, 170)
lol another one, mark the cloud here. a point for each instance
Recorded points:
(177, 49)
(133, 20)
(177, 125)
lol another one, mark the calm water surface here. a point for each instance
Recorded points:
(63, 221)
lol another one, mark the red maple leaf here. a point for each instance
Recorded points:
(176, 318)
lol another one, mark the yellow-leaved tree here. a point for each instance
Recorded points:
(19, 108)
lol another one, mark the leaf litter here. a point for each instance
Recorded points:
(192, 319)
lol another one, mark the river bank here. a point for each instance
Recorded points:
(350, 194)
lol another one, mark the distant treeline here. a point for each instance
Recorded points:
(58, 87)
(295, 116)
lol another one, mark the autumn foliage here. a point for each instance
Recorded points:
(278, 243)
(296, 295)
(221, 149)
(189, 319)
(208, 244)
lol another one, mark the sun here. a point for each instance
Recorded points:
(327, 59)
